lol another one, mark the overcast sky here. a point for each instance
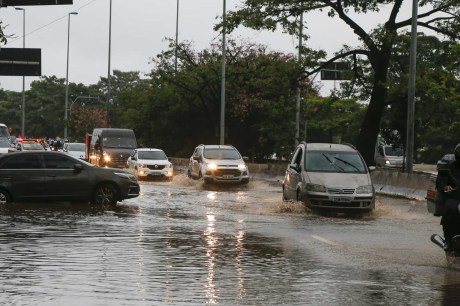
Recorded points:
(139, 28)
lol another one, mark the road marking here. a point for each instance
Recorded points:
(324, 240)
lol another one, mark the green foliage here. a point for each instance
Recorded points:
(376, 49)
(331, 119)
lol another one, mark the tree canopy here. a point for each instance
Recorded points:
(376, 45)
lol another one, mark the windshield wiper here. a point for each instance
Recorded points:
(332, 163)
(348, 163)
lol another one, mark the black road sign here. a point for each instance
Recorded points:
(20, 61)
(336, 71)
(4, 3)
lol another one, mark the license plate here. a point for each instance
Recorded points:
(341, 199)
(228, 176)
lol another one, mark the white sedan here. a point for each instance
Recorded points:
(150, 163)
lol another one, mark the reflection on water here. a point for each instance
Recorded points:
(184, 243)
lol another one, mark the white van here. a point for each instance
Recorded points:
(388, 156)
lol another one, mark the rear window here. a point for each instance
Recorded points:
(334, 162)
(25, 161)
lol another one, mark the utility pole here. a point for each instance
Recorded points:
(411, 95)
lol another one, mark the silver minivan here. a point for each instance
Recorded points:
(329, 176)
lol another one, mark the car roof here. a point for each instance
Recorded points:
(148, 149)
(219, 147)
(329, 147)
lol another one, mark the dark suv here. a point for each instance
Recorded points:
(56, 176)
(218, 164)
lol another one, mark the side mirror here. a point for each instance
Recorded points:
(371, 168)
(245, 158)
(78, 167)
(133, 158)
(294, 167)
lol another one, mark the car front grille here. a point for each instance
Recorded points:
(341, 190)
(224, 172)
(353, 204)
(156, 167)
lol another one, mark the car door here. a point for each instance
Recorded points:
(293, 174)
(132, 160)
(23, 176)
(194, 162)
(62, 180)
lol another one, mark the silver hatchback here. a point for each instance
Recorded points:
(329, 176)
(218, 164)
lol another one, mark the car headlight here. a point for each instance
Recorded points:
(127, 176)
(242, 167)
(387, 162)
(364, 189)
(106, 157)
(316, 188)
(211, 166)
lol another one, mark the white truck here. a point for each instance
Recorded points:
(4, 131)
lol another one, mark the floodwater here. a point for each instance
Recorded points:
(182, 243)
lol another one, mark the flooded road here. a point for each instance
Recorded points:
(181, 243)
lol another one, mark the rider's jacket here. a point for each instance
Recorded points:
(450, 176)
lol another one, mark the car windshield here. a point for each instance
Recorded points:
(154, 155)
(76, 147)
(220, 153)
(4, 132)
(119, 142)
(326, 161)
(392, 151)
(4, 142)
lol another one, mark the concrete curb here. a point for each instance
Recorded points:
(386, 182)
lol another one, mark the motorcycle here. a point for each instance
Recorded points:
(452, 255)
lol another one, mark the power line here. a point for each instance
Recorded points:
(50, 23)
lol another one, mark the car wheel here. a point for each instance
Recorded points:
(285, 198)
(105, 194)
(4, 197)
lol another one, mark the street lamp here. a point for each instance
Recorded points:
(177, 37)
(108, 73)
(297, 116)
(67, 77)
(23, 77)
(222, 93)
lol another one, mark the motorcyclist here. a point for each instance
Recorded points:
(448, 184)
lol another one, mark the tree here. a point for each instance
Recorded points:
(438, 96)
(261, 88)
(376, 48)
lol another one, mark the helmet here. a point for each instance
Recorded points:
(457, 153)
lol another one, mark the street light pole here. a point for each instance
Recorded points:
(411, 94)
(177, 37)
(297, 117)
(222, 94)
(23, 77)
(108, 73)
(67, 77)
